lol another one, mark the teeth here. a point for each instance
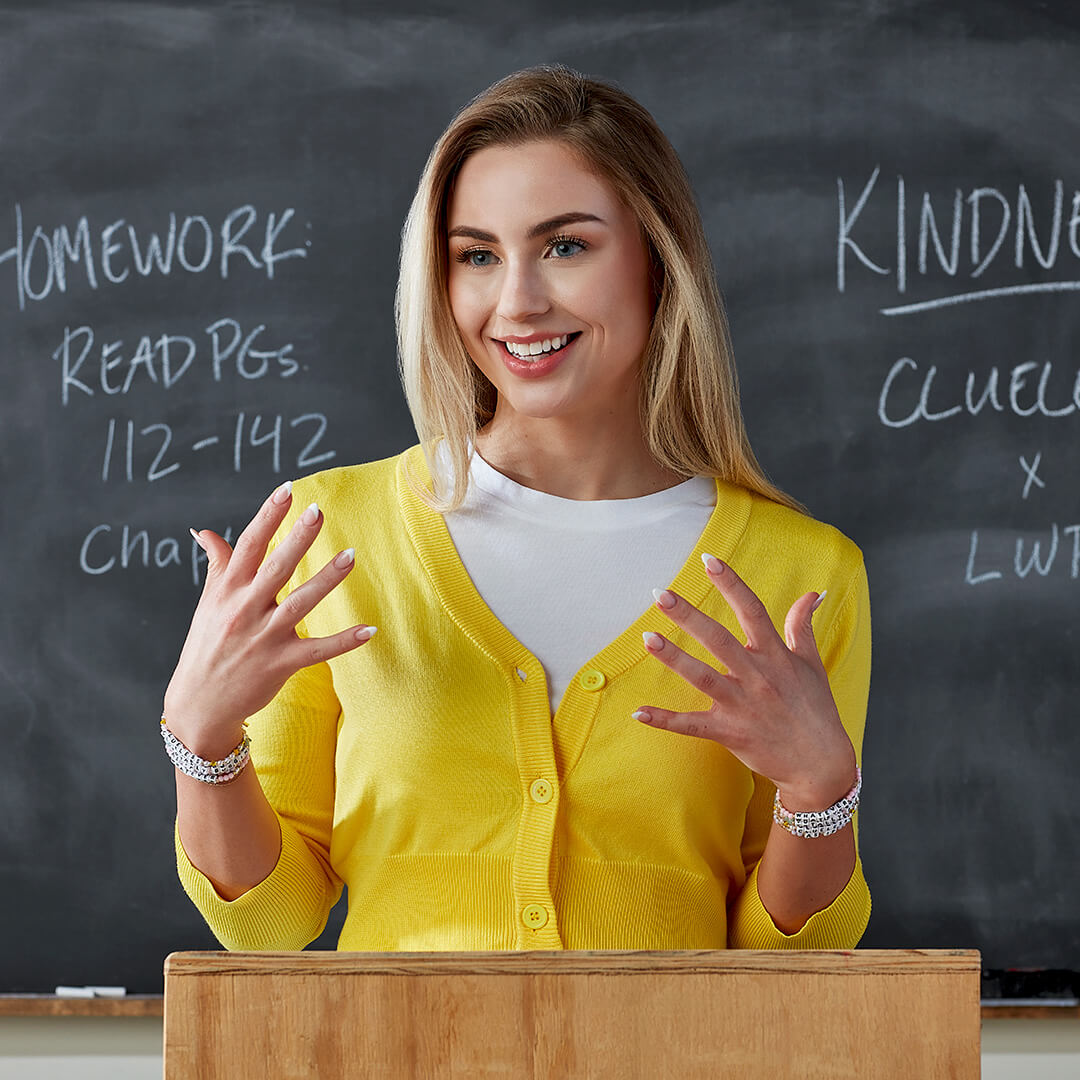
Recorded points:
(535, 348)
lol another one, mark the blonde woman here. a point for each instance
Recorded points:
(600, 711)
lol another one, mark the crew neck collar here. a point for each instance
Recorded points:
(698, 490)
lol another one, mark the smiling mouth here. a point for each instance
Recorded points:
(535, 349)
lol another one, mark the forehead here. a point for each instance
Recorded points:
(521, 184)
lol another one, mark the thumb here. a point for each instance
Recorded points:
(799, 626)
(218, 551)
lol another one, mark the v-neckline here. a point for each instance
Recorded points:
(468, 609)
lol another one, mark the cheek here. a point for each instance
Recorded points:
(623, 305)
(459, 303)
(469, 314)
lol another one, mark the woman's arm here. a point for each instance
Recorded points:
(799, 876)
(279, 897)
(242, 649)
(795, 716)
(229, 831)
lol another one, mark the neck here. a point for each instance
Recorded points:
(604, 459)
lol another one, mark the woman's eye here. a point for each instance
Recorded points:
(565, 248)
(478, 257)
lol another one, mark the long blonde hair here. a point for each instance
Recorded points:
(689, 398)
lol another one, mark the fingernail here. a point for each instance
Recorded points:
(311, 514)
(713, 564)
(366, 633)
(345, 558)
(664, 598)
(281, 495)
(642, 715)
(817, 602)
(195, 537)
(652, 641)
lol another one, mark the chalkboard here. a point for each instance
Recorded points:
(200, 207)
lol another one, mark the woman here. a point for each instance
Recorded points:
(529, 755)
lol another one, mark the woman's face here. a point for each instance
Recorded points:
(544, 255)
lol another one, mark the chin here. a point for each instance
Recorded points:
(539, 410)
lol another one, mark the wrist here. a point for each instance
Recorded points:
(820, 792)
(218, 770)
(815, 823)
(213, 743)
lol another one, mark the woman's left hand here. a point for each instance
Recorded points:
(773, 709)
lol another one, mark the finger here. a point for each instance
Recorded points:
(799, 626)
(308, 651)
(704, 678)
(250, 548)
(714, 636)
(218, 552)
(304, 598)
(701, 725)
(279, 565)
(749, 610)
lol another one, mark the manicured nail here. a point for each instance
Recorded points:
(195, 537)
(311, 514)
(345, 558)
(652, 641)
(817, 602)
(282, 494)
(642, 715)
(366, 633)
(663, 598)
(713, 564)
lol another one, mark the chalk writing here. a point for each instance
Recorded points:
(967, 233)
(124, 442)
(988, 216)
(1032, 473)
(906, 393)
(165, 359)
(44, 257)
(1039, 555)
(106, 548)
(47, 260)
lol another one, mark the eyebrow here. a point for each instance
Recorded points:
(537, 230)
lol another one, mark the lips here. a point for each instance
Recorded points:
(538, 366)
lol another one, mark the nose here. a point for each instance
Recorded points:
(523, 293)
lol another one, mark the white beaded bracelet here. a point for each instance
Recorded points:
(209, 772)
(811, 823)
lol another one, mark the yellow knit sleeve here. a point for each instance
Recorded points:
(293, 741)
(292, 752)
(845, 652)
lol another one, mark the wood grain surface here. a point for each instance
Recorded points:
(809, 1015)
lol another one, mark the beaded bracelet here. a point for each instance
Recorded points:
(811, 823)
(209, 772)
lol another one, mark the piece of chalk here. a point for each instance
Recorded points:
(109, 991)
(75, 991)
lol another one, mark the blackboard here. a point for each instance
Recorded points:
(200, 208)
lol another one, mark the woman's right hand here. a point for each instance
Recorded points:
(242, 645)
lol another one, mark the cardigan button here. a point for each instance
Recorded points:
(541, 790)
(592, 679)
(534, 916)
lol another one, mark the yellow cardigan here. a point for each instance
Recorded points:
(425, 771)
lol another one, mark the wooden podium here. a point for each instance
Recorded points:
(582, 1015)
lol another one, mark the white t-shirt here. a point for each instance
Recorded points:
(567, 576)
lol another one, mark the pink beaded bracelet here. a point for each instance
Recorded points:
(209, 772)
(811, 823)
